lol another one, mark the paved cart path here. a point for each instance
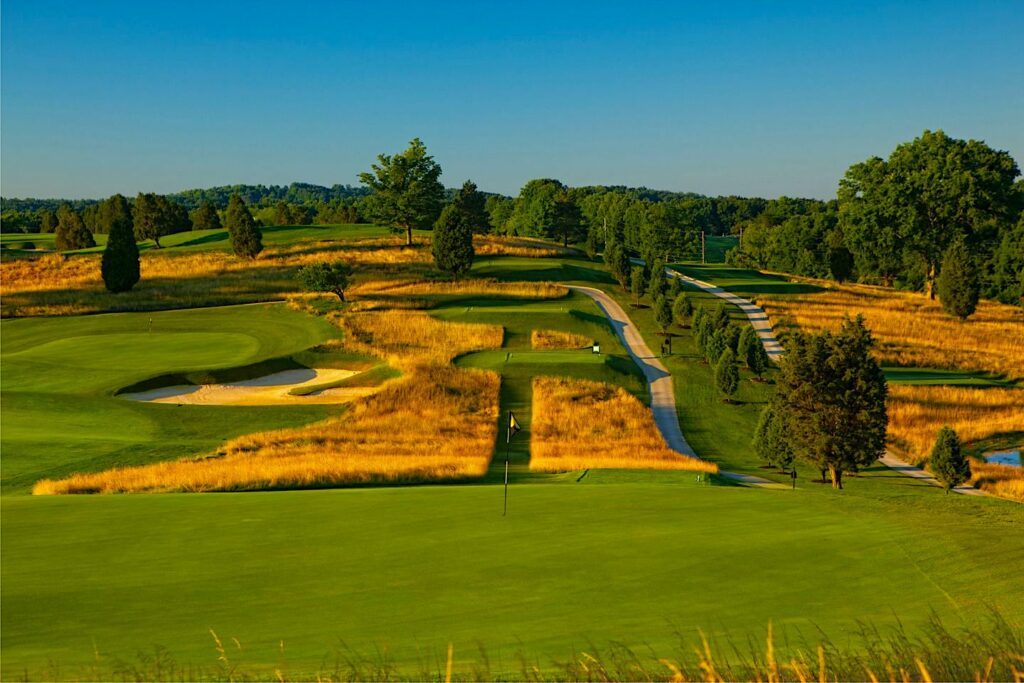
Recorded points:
(663, 399)
(759, 319)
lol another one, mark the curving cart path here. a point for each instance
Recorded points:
(759, 319)
(663, 399)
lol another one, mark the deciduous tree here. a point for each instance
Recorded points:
(727, 376)
(205, 217)
(770, 439)
(407, 192)
(331, 277)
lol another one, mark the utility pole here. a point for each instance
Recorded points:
(702, 261)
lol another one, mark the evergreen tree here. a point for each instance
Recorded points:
(727, 376)
(947, 461)
(731, 335)
(714, 345)
(246, 237)
(840, 263)
(675, 288)
(71, 232)
(120, 264)
(326, 276)
(205, 217)
(472, 203)
(751, 350)
(282, 214)
(407, 192)
(617, 258)
(47, 221)
(663, 312)
(832, 396)
(958, 281)
(682, 308)
(770, 440)
(639, 284)
(452, 243)
(720, 318)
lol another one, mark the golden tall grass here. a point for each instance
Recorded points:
(437, 424)
(494, 245)
(579, 424)
(556, 339)
(477, 286)
(914, 331)
(410, 339)
(911, 329)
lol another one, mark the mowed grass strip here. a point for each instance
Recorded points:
(579, 424)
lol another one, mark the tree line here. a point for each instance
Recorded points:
(937, 205)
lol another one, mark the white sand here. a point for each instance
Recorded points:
(261, 391)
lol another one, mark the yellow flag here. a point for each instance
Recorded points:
(513, 425)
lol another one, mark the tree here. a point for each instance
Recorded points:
(113, 210)
(947, 461)
(682, 308)
(246, 237)
(330, 277)
(658, 284)
(714, 345)
(282, 215)
(832, 394)
(47, 221)
(727, 376)
(720, 318)
(675, 288)
(638, 283)
(751, 350)
(407, 194)
(536, 207)
(155, 216)
(771, 442)
(840, 263)
(120, 264)
(472, 203)
(927, 193)
(663, 312)
(617, 258)
(205, 217)
(567, 223)
(958, 281)
(452, 243)
(71, 232)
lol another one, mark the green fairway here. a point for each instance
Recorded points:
(301, 578)
(201, 240)
(60, 374)
(412, 569)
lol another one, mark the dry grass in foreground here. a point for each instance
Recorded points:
(436, 424)
(556, 339)
(579, 424)
(911, 329)
(494, 245)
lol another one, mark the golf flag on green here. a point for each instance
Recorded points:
(513, 426)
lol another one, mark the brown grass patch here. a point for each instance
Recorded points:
(556, 339)
(1005, 481)
(916, 413)
(409, 339)
(911, 329)
(436, 424)
(579, 424)
(482, 287)
(494, 245)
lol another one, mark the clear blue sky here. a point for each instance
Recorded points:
(757, 98)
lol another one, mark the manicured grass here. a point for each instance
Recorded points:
(716, 245)
(743, 281)
(203, 240)
(412, 569)
(60, 374)
(944, 377)
(633, 557)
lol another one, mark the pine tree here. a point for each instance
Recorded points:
(452, 243)
(682, 308)
(947, 461)
(71, 232)
(663, 312)
(675, 288)
(958, 281)
(472, 203)
(120, 264)
(205, 217)
(770, 440)
(617, 258)
(639, 284)
(714, 345)
(246, 237)
(751, 350)
(406, 191)
(727, 376)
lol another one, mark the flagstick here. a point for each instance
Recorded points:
(508, 439)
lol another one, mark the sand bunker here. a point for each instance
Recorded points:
(261, 391)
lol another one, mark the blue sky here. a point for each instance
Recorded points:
(757, 98)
